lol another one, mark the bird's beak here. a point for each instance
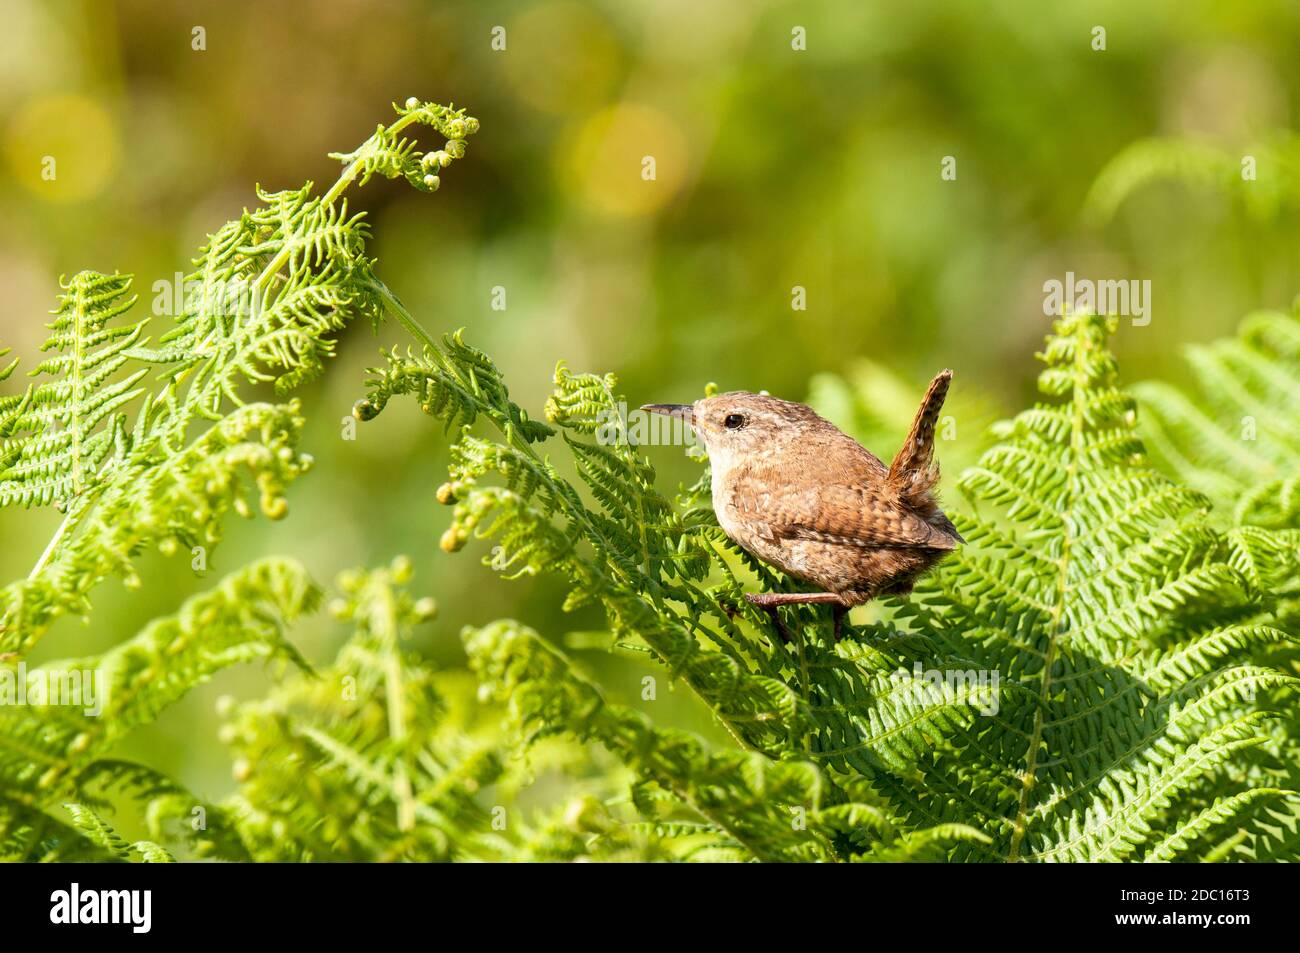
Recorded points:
(683, 411)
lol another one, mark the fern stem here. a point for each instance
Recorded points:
(404, 317)
(346, 178)
(354, 168)
(78, 368)
(385, 622)
(1077, 421)
(683, 792)
(70, 521)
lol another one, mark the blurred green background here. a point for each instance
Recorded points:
(775, 168)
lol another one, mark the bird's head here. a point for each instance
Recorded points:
(742, 425)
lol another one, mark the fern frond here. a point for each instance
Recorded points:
(1236, 438)
(169, 501)
(171, 813)
(456, 382)
(44, 747)
(30, 835)
(297, 273)
(760, 805)
(6, 372)
(99, 832)
(1127, 701)
(269, 293)
(1223, 812)
(723, 804)
(846, 707)
(59, 438)
(1198, 165)
(1134, 683)
(1238, 441)
(52, 749)
(386, 781)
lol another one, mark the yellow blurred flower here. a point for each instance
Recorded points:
(64, 148)
(629, 160)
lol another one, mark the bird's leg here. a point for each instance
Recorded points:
(769, 601)
(791, 598)
(838, 613)
(775, 615)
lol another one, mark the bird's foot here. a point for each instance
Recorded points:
(772, 611)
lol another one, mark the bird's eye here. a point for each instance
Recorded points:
(734, 421)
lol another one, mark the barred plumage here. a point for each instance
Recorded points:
(803, 496)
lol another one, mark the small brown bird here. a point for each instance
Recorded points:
(800, 494)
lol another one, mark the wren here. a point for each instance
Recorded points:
(803, 496)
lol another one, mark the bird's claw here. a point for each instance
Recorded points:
(763, 600)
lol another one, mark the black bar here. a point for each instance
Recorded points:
(332, 903)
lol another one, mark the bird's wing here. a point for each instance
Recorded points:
(849, 515)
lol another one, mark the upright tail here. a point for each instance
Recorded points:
(913, 471)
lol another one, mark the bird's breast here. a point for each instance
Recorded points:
(745, 516)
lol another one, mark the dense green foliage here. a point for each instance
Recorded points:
(1143, 704)
(1238, 439)
(54, 755)
(268, 292)
(1140, 712)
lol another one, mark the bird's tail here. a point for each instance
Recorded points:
(913, 471)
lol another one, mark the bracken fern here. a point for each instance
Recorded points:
(1138, 717)
(134, 463)
(1143, 642)
(56, 754)
(268, 292)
